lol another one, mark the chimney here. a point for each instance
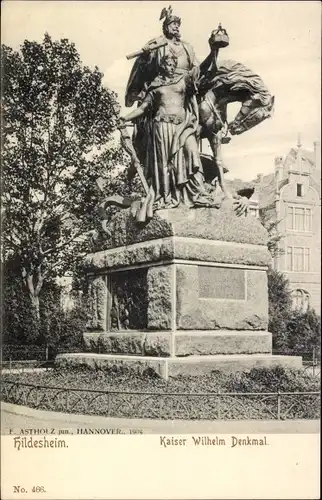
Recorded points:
(317, 154)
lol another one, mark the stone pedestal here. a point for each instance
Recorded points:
(185, 293)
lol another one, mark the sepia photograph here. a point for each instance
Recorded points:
(161, 249)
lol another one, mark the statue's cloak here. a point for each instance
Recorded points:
(234, 77)
(146, 69)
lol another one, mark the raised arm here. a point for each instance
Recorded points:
(208, 67)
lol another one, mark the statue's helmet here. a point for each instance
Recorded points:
(172, 19)
(169, 17)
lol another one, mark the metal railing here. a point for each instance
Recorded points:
(200, 406)
(311, 358)
(313, 365)
(29, 357)
(24, 353)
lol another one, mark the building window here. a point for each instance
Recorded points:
(298, 259)
(289, 265)
(308, 220)
(290, 217)
(299, 219)
(254, 212)
(299, 189)
(301, 300)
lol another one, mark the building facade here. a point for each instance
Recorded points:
(291, 196)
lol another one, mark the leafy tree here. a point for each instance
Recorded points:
(304, 331)
(57, 128)
(279, 293)
(61, 329)
(274, 235)
(279, 307)
(20, 326)
(293, 331)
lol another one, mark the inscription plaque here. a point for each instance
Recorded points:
(221, 283)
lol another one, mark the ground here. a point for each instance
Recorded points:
(20, 417)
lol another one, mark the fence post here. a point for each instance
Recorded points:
(219, 406)
(109, 404)
(314, 361)
(278, 405)
(46, 352)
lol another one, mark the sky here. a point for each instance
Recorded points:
(281, 41)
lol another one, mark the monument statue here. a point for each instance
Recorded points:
(179, 103)
(185, 293)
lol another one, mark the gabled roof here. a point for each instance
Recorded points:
(266, 188)
(292, 157)
(308, 155)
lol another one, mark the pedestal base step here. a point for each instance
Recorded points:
(180, 342)
(172, 366)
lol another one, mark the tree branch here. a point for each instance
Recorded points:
(62, 245)
(40, 280)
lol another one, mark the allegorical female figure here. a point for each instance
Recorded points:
(171, 161)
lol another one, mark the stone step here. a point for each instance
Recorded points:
(173, 366)
(180, 342)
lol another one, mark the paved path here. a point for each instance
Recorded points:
(16, 417)
(7, 371)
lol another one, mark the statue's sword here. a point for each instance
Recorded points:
(127, 144)
(123, 201)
